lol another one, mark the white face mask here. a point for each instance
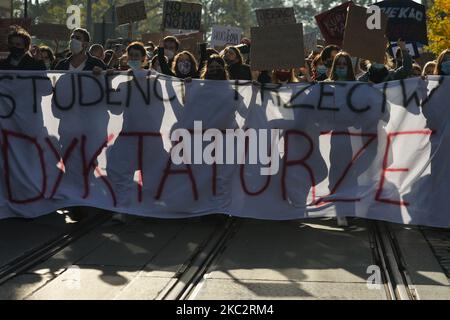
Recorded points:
(75, 46)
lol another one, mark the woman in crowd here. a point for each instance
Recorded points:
(443, 63)
(235, 65)
(184, 66)
(214, 69)
(318, 70)
(416, 71)
(380, 72)
(342, 68)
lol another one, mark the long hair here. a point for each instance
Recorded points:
(292, 77)
(237, 52)
(211, 59)
(348, 60)
(194, 64)
(439, 61)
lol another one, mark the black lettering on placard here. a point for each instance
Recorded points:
(34, 79)
(432, 92)
(138, 86)
(349, 99)
(7, 96)
(81, 93)
(109, 90)
(72, 89)
(295, 96)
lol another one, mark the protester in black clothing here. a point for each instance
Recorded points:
(80, 59)
(20, 57)
(235, 66)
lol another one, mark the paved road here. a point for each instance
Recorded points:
(249, 259)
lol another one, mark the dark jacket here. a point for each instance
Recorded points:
(91, 62)
(27, 63)
(239, 72)
(402, 72)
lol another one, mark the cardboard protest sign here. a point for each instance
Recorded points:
(182, 15)
(407, 20)
(332, 23)
(275, 16)
(277, 47)
(154, 37)
(51, 31)
(222, 36)
(4, 29)
(410, 46)
(131, 12)
(310, 41)
(361, 41)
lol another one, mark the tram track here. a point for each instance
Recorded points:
(46, 250)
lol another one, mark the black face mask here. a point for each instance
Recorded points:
(16, 52)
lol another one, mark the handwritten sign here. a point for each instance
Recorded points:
(182, 15)
(131, 12)
(223, 36)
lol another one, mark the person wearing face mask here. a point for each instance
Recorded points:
(185, 65)
(342, 68)
(319, 71)
(80, 59)
(136, 55)
(154, 64)
(171, 47)
(19, 57)
(379, 72)
(235, 66)
(327, 56)
(443, 64)
(214, 69)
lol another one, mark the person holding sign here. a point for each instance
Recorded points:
(379, 72)
(342, 68)
(443, 63)
(19, 57)
(235, 64)
(80, 59)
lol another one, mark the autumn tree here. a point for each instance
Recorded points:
(439, 26)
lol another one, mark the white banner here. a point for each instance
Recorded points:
(346, 148)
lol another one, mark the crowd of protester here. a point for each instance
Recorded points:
(328, 63)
